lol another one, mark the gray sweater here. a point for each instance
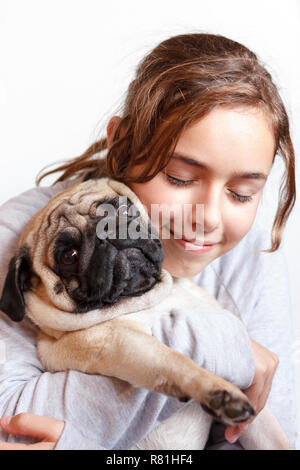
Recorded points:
(100, 412)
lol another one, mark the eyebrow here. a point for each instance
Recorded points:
(193, 162)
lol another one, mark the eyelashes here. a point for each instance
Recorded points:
(177, 182)
(185, 183)
(241, 198)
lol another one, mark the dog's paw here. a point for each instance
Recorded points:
(229, 407)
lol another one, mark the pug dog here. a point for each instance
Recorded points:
(95, 297)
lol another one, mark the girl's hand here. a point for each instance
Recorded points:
(47, 430)
(266, 363)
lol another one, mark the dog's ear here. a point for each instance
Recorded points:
(18, 281)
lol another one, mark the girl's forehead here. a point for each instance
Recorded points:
(234, 120)
(241, 136)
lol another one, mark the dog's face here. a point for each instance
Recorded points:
(64, 258)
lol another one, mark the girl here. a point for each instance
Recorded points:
(202, 123)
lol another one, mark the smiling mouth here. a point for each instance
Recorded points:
(192, 241)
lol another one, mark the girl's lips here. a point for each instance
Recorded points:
(189, 246)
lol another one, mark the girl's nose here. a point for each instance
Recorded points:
(210, 213)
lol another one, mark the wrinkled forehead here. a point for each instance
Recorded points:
(72, 210)
(73, 207)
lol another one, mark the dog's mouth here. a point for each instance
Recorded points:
(118, 274)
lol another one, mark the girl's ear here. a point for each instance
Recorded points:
(111, 128)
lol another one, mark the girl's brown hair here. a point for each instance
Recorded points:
(177, 84)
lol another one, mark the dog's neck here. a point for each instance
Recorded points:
(53, 321)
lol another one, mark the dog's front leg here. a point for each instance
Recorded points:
(120, 348)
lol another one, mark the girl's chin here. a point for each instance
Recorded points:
(178, 268)
(182, 263)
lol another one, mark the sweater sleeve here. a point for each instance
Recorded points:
(72, 439)
(271, 325)
(101, 412)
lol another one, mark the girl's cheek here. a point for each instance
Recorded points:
(238, 223)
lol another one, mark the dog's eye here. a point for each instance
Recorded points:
(69, 257)
(123, 211)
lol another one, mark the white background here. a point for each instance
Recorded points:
(65, 66)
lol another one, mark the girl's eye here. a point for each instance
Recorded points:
(178, 182)
(240, 198)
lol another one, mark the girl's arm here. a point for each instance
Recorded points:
(107, 412)
(271, 325)
(254, 286)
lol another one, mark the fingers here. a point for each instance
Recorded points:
(38, 446)
(266, 364)
(232, 433)
(39, 427)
